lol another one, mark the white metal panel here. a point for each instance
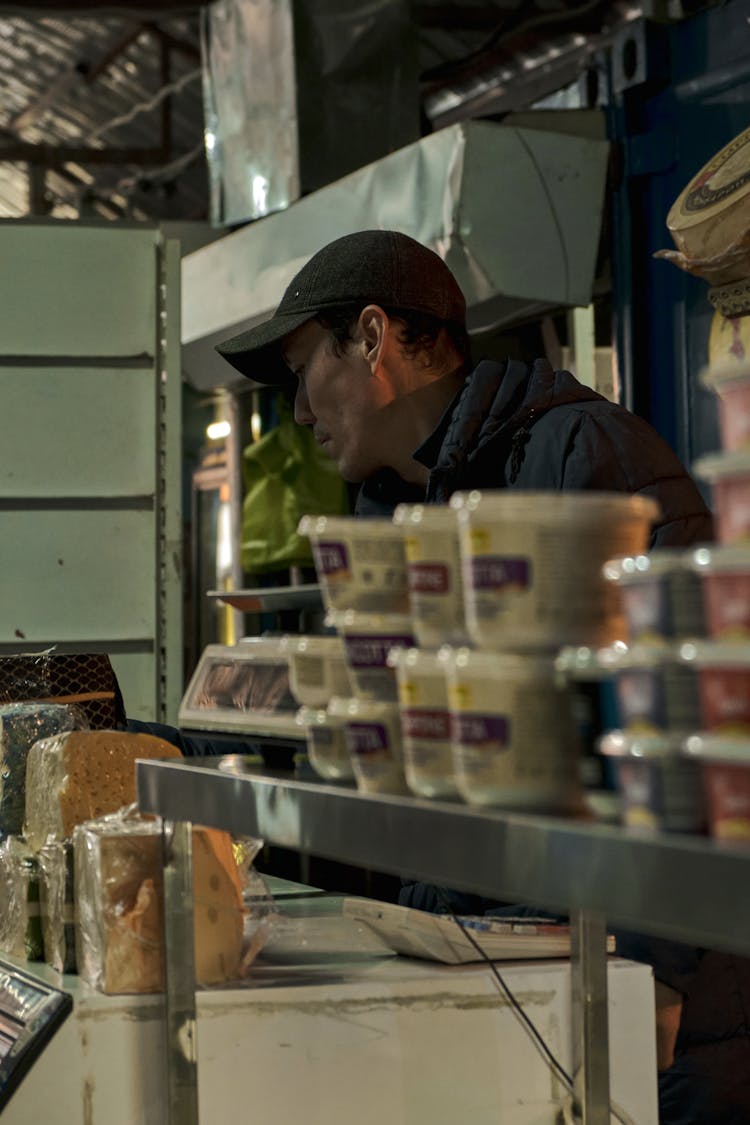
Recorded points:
(77, 431)
(70, 290)
(77, 575)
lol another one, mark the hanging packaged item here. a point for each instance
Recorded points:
(710, 225)
(285, 476)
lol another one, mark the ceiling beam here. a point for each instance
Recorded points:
(55, 156)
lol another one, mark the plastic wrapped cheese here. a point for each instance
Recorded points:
(119, 905)
(21, 725)
(56, 903)
(81, 775)
(20, 927)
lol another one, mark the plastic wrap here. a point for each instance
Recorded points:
(21, 725)
(56, 902)
(81, 775)
(20, 925)
(85, 679)
(119, 905)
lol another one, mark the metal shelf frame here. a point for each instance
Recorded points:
(679, 887)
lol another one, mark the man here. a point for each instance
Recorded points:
(371, 337)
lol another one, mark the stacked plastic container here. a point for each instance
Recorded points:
(451, 644)
(361, 566)
(655, 693)
(722, 659)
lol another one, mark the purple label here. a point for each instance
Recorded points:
(429, 578)
(371, 652)
(331, 557)
(485, 731)
(640, 697)
(366, 738)
(500, 572)
(426, 723)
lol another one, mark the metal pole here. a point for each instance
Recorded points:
(590, 1016)
(179, 974)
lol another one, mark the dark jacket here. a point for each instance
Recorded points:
(519, 426)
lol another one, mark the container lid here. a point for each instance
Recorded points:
(718, 375)
(651, 655)
(715, 654)
(582, 662)
(423, 661)
(312, 644)
(485, 662)
(352, 621)
(717, 748)
(436, 517)
(717, 466)
(621, 744)
(311, 717)
(629, 569)
(716, 188)
(262, 648)
(347, 708)
(348, 527)
(733, 558)
(551, 506)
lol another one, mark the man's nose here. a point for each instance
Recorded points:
(303, 415)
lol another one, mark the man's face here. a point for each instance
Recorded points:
(340, 397)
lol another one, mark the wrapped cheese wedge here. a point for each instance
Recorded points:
(119, 905)
(80, 775)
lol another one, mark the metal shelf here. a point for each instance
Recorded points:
(270, 598)
(682, 887)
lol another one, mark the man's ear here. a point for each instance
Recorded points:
(373, 326)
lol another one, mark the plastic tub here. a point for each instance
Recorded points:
(725, 767)
(731, 382)
(725, 578)
(368, 638)
(587, 675)
(373, 737)
(326, 743)
(532, 565)
(433, 563)
(729, 477)
(660, 789)
(360, 563)
(656, 690)
(661, 595)
(317, 668)
(512, 733)
(723, 684)
(425, 721)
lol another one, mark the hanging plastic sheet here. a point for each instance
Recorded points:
(298, 93)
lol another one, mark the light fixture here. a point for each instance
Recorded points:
(218, 430)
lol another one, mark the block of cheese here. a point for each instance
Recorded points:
(21, 725)
(81, 775)
(119, 904)
(56, 899)
(20, 926)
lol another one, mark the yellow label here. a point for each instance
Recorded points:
(460, 697)
(733, 828)
(479, 540)
(411, 549)
(638, 816)
(408, 691)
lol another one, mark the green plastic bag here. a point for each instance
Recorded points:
(286, 476)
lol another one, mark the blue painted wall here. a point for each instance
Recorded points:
(679, 93)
